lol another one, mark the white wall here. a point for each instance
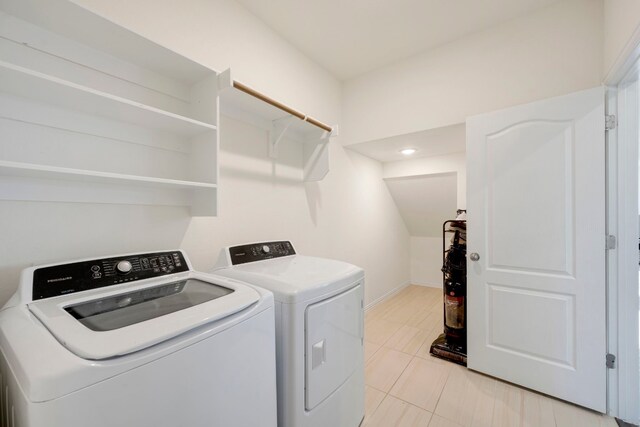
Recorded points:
(426, 251)
(455, 162)
(222, 34)
(621, 20)
(554, 51)
(426, 261)
(349, 216)
(424, 201)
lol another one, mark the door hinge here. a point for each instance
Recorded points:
(610, 122)
(610, 242)
(611, 361)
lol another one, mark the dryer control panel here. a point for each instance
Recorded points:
(260, 251)
(65, 279)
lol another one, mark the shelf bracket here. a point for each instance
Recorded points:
(225, 81)
(317, 158)
(278, 129)
(328, 135)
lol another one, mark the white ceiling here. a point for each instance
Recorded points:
(351, 37)
(429, 143)
(425, 201)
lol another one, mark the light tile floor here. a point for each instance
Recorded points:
(406, 387)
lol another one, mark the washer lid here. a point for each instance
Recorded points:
(296, 278)
(99, 325)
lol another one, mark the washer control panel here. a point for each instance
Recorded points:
(260, 251)
(65, 279)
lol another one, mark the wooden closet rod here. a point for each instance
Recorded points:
(285, 108)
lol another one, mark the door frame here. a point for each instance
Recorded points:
(622, 222)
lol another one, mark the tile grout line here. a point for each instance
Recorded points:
(372, 356)
(413, 356)
(394, 383)
(405, 368)
(376, 388)
(379, 404)
(377, 408)
(405, 324)
(494, 414)
(442, 391)
(439, 397)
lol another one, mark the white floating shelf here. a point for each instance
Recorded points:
(29, 170)
(24, 181)
(51, 90)
(70, 20)
(94, 113)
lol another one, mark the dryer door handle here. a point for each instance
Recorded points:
(318, 354)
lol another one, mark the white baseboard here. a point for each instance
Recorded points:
(389, 294)
(427, 284)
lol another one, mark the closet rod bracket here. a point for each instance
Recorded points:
(279, 128)
(334, 132)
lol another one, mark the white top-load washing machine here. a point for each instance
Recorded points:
(136, 341)
(319, 331)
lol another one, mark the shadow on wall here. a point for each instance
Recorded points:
(425, 201)
(245, 157)
(277, 177)
(251, 142)
(314, 200)
(259, 198)
(36, 233)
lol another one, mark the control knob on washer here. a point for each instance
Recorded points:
(266, 249)
(124, 267)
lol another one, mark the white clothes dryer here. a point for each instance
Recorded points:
(136, 341)
(319, 330)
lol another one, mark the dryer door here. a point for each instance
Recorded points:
(333, 343)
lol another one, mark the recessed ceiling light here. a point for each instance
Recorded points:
(408, 151)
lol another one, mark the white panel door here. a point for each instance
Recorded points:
(536, 218)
